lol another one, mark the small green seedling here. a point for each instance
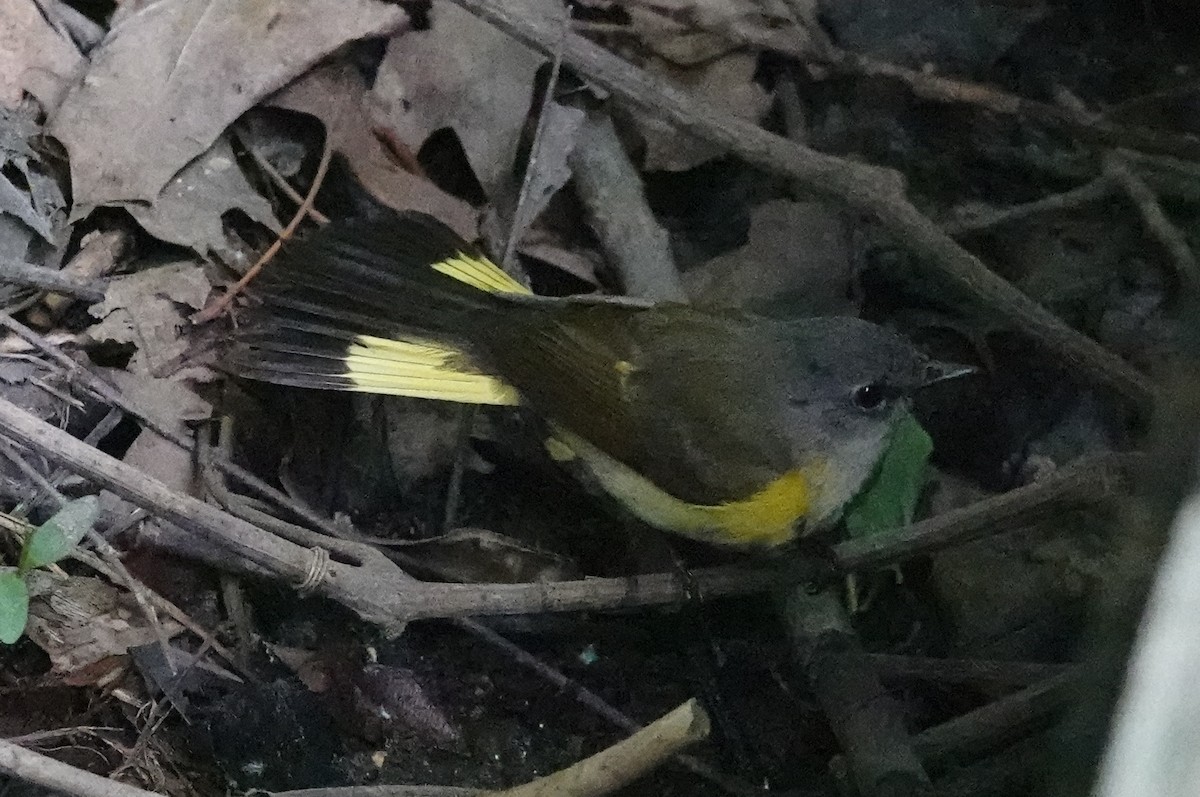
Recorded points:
(43, 546)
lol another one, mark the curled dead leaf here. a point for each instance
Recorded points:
(336, 95)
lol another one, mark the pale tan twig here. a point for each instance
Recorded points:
(31, 767)
(624, 762)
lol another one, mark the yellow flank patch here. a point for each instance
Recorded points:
(770, 517)
(480, 273)
(420, 370)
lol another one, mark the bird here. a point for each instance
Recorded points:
(725, 426)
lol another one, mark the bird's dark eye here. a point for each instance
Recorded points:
(871, 396)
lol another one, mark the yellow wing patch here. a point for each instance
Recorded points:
(420, 370)
(770, 517)
(480, 273)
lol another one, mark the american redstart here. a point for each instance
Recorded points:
(720, 425)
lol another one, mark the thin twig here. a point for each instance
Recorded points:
(597, 705)
(278, 179)
(1000, 721)
(42, 278)
(1092, 129)
(624, 762)
(1118, 169)
(964, 671)
(867, 721)
(30, 767)
(611, 190)
(1089, 481)
(1098, 189)
(222, 304)
(467, 414)
(519, 220)
(98, 432)
(1155, 220)
(54, 734)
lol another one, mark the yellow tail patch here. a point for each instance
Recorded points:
(422, 369)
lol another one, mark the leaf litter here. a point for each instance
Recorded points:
(35, 57)
(337, 95)
(150, 310)
(154, 96)
(191, 208)
(157, 120)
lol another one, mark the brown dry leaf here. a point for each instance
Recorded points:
(692, 32)
(727, 83)
(549, 170)
(72, 24)
(309, 666)
(796, 251)
(147, 310)
(34, 57)
(188, 211)
(465, 74)
(336, 95)
(171, 77)
(547, 247)
(79, 620)
(482, 556)
(171, 403)
(35, 198)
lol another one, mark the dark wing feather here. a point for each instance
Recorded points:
(361, 277)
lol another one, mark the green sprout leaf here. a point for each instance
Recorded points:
(890, 497)
(14, 606)
(55, 538)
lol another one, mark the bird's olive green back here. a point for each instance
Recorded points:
(687, 398)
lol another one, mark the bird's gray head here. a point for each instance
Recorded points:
(850, 381)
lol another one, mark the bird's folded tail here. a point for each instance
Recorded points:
(376, 306)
